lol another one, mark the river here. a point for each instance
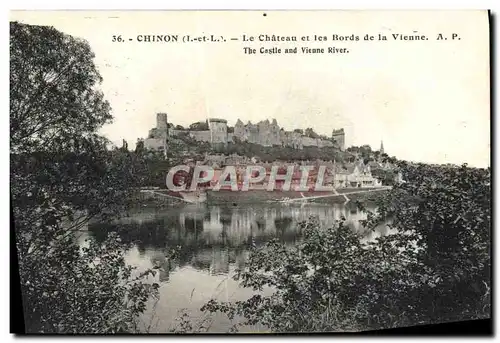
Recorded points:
(213, 242)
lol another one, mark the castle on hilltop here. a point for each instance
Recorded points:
(263, 133)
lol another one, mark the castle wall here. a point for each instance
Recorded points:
(154, 143)
(324, 143)
(158, 133)
(308, 141)
(174, 132)
(263, 133)
(201, 136)
(293, 140)
(270, 134)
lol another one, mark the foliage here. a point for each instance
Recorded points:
(449, 208)
(284, 153)
(199, 126)
(317, 283)
(435, 268)
(52, 93)
(309, 132)
(87, 290)
(364, 151)
(62, 176)
(387, 177)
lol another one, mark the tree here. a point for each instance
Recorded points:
(62, 175)
(309, 132)
(139, 146)
(387, 177)
(435, 268)
(52, 96)
(199, 126)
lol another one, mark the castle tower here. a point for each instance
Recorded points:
(218, 130)
(161, 121)
(162, 127)
(339, 137)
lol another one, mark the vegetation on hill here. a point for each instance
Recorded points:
(270, 154)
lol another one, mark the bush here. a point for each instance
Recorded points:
(83, 290)
(62, 176)
(434, 269)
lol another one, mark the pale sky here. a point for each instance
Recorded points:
(428, 101)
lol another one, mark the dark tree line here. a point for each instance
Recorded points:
(63, 176)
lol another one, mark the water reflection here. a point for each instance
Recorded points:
(214, 242)
(212, 238)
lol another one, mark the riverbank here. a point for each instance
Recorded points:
(160, 199)
(258, 196)
(152, 200)
(366, 197)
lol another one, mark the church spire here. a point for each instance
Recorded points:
(381, 147)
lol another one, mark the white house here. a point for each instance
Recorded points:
(354, 175)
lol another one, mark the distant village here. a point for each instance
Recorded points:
(268, 133)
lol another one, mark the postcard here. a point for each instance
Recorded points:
(250, 171)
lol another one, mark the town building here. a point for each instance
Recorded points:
(356, 174)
